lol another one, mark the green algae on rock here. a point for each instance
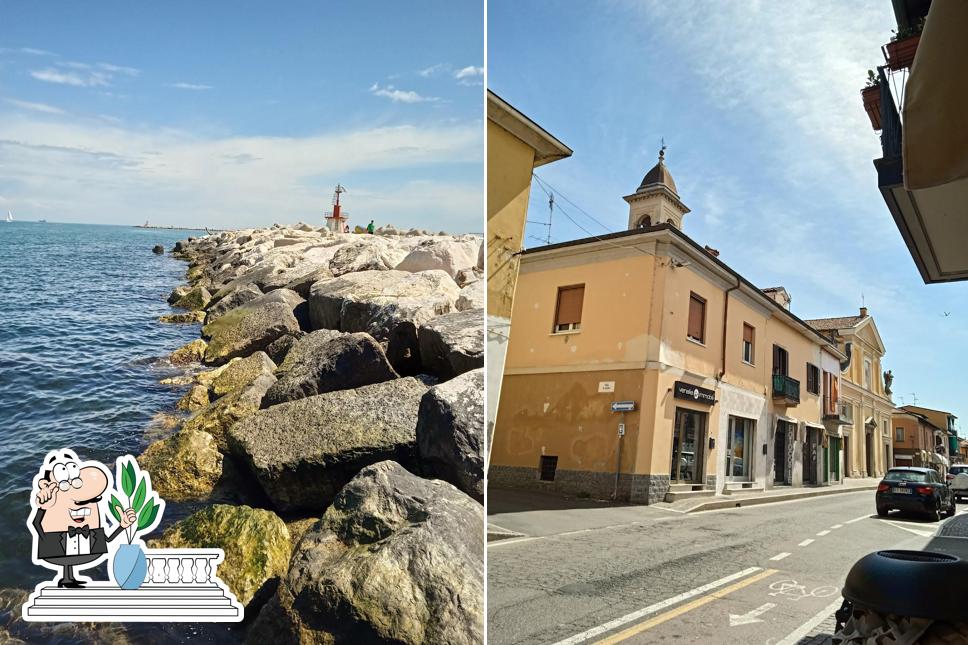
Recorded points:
(185, 466)
(255, 541)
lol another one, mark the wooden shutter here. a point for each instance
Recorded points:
(569, 304)
(697, 316)
(747, 334)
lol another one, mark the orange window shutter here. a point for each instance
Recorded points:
(748, 334)
(696, 314)
(570, 300)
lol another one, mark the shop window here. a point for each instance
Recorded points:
(697, 318)
(569, 307)
(549, 465)
(813, 379)
(749, 338)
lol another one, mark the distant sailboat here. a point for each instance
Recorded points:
(9, 217)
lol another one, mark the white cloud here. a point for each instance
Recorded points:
(35, 107)
(400, 96)
(190, 86)
(103, 172)
(434, 70)
(90, 79)
(119, 69)
(36, 52)
(469, 72)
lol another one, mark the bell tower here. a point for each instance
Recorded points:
(656, 201)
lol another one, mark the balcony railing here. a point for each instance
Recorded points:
(839, 411)
(786, 389)
(180, 585)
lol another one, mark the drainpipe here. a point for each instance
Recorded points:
(722, 372)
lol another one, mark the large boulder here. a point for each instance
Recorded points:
(472, 296)
(303, 282)
(368, 254)
(255, 541)
(453, 343)
(177, 293)
(189, 353)
(303, 452)
(257, 275)
(239, 372)
(388, 305)
(195, 399)
(185, 466)
(190, 317)
(328, 360)
(253, 326)
(396, 559)
(445, 254)
(279, 348)
(235, 298)
(450, 432)
(196, 298)
(218, 417)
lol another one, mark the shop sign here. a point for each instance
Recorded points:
(695, 393)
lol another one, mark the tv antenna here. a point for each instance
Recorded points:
(547, 225)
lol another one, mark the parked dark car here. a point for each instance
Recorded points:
(914, 490)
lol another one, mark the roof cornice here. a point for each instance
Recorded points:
(546, 147)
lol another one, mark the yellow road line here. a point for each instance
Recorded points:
(689, 606)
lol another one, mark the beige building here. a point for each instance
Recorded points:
(915, 440)
(641, 366)
(866, 397)
(516, 145)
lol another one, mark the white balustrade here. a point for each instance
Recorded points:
(182, 566)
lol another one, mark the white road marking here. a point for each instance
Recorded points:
(807, 627)
(836, 526)
(511, 541)
(857, 519)
(651, 609)
(779, 556)
(822, 533)
(806, 542)
(751, 616)
(901, 525)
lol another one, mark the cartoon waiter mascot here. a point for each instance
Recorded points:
(66, 524)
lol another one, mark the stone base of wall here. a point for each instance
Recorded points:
(640, 489)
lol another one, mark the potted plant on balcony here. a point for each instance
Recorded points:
(872, 99)
(903, 46)
(129, 565)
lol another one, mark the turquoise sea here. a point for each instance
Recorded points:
(81, 354)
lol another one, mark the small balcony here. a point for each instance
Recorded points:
(786, 390)
(837, 411)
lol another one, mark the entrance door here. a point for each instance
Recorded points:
(780, 453)
(688, 436)
(869, 450)
(739, 437)
(810, 459)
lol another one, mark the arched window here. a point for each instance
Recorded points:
(645, 222)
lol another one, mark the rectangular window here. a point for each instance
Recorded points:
(813, 379)
(867, 373)
(568, 309)
(697, 318)
(898, 434)
(548, 467)
(749, 337)
(780, 361)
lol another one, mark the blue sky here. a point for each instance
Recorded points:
(238, 114)
(759, 104)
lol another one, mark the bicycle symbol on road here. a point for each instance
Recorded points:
(792, 589)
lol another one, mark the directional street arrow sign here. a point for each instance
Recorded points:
(751, 616)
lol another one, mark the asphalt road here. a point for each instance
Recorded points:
(760, 574)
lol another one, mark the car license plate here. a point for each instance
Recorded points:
(902, 491)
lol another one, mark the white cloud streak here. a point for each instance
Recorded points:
(89, 79)
(190, 86)
(102, 172)
(34, 107)
(400, 96)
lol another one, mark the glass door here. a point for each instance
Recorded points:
(739, 437)
(687, 444)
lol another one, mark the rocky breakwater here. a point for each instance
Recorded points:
(336, 416)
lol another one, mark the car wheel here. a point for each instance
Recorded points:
(882, 511)
(935, 515)
(951, 509)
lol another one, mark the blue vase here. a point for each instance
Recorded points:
(129, 566)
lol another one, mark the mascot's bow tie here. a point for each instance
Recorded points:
(73, 530)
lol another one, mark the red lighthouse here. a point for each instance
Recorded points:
(336, 220)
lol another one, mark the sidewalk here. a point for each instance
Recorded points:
(778, 494)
